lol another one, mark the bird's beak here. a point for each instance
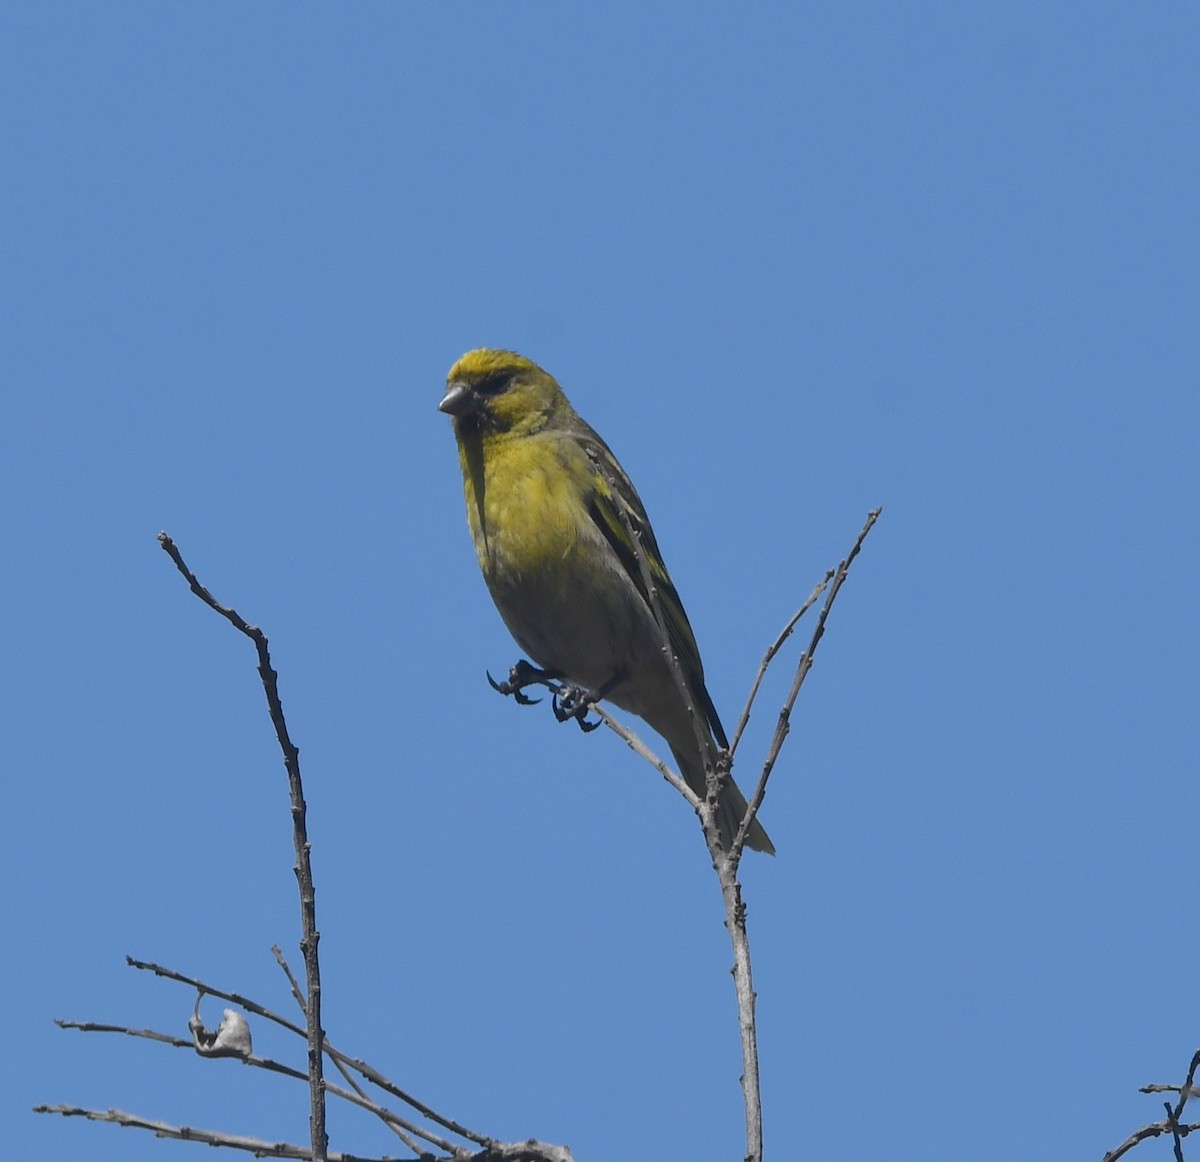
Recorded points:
(459, 400)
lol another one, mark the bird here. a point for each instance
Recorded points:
(550, 512)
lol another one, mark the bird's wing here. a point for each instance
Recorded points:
(613, 502)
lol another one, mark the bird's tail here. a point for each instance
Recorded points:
(731, 809)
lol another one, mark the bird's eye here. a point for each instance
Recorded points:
(493, 384)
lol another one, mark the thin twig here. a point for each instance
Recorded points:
(769, 656)
(1171, 1124)
(492, 1151)
(725, 862)
(251, 1006)
(308, 918)
(731, 888)
(265, 1063)
(640, 748)
(378, 1079)
(718, 770)
(356, 1096)
(361, 1067)
(528, 1151)
(147, 1034)
(623, 732)
(784, 725)
(298, 995)
(255, 1146)
(1188, 1088)
(1155, 1130)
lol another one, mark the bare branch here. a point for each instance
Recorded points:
(361, 1067)
(264, 1063)
(1171, 1124)
(232, 1038)
(409, 1140)
(251, 1006)
(530, 1151)
(1188, 1089)
(308, 916)
(394, 1121)
(727, 866)
(725, 862)
(561, 690)
(255, 1146)
(1156, 1130)
(719, 770)
(783, 726)
(147, 1034)
(640, 748)
(769, 656)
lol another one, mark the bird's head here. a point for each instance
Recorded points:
(500, 391)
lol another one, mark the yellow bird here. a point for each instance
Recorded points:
(547, 505)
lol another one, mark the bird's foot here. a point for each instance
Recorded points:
(575, 702)
(520, 676)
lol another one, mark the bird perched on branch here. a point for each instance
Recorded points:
(551, 514)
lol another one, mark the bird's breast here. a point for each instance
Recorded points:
(553, 577)
(524, 507)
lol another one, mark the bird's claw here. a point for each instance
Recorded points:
(568, 701)
(520, 676)
(575, 702)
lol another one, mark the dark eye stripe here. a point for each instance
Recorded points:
(494, 384)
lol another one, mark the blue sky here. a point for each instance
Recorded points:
(792, 262)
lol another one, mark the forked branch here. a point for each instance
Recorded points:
(718, 766)
(232, 1039)
(1172, 1124)
(308, 909)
